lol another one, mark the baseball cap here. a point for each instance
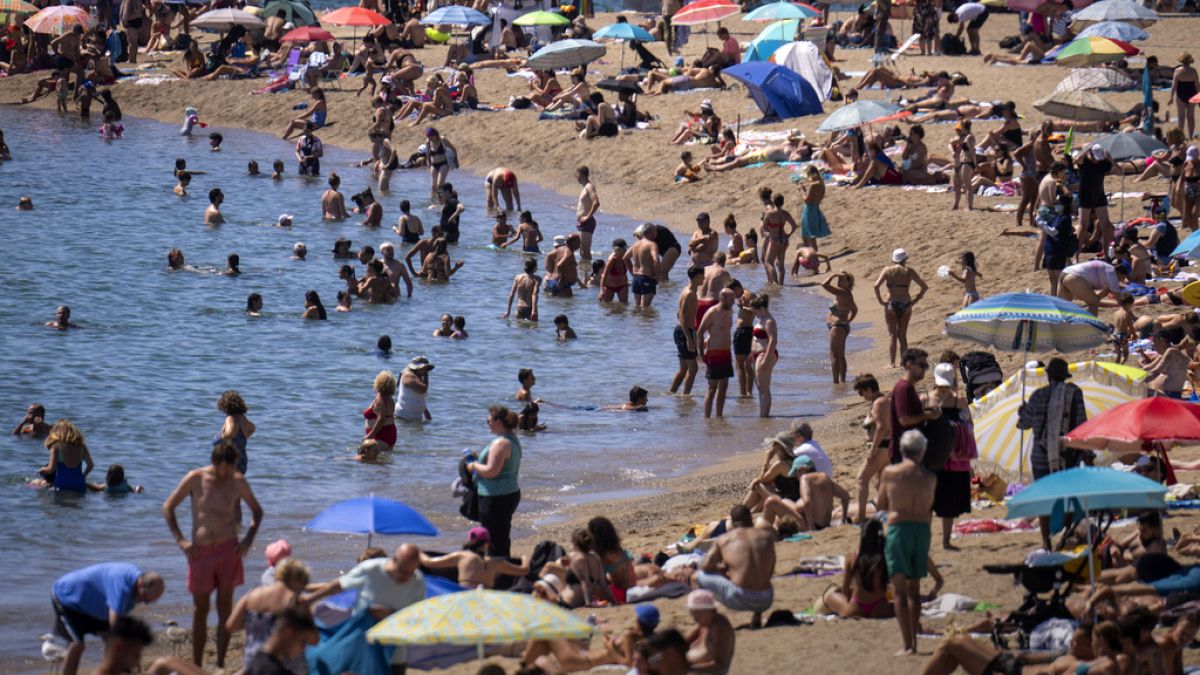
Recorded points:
(647, 615)
(803, 461)
(477, 535)
(701, 599)
(278, 550)
(943, 375)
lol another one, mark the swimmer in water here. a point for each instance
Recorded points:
(383, 347)
(62, 319)
(214, 141)
(341, 250)
(33, 424)
(638, 399)
(299, 251)
(369, 451)
(175, 260)
(343, 298)
(446, 329)
(460, 328)
(212, 214)
(25, 204)
(562, 328)
(254, 305)
(277, 168)
(233, 262)
(252, 168)
(285, 220)
(333, 204)
(185, 179)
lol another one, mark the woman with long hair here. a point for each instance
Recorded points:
(236, 428)
(313, 309)
(380, 415)
(70, 462)
(841, 314)
(864, 589)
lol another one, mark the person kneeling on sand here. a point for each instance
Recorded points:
(738, 567)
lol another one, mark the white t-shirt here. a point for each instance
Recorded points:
(818, 456)
(969, 11)
(375, 587)
(1099, 274)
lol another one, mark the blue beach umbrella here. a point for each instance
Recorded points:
(1189, 247)
(455, 15)
(777, 11)
(623, 31)
(778, 91)
(1116, 30)
(369, 516)
(1087, 489)
(1028, 322)
(771, 38)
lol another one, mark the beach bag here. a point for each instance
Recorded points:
(470, 501)
(1010, 42)
(952, 45)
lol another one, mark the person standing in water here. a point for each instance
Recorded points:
(212, 214)
(841, 314)
(714, 334)
(414, 387)
(380, 415)
(765, 352)
(585, 212)
(685, 333)
(236, 428)
(525, 289)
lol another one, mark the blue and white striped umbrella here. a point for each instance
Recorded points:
(565, 54)
(1115, 30)
(455, 15)
(623, 31)
(1028, 322)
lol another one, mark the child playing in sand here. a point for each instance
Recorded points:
(687, 171)
(185, 179)
(967, 279)
(1123, 326)
(562, 328)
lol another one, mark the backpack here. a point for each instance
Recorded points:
(1010, 42)
(546, 551)
(952, 45)
(980, 369)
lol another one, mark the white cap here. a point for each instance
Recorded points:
(560, 240)
(289, 25)
(1097, 152)
(285, 219)
(899, 255)
(386, 244)
(706, 103)
(944, 375)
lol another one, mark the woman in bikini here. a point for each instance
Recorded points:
(992, 172)
(616, 275)
(962, 147)
(777, 226)
(583, 572)
(764, 352)
(841, 314)
(864, 589)
(808, 258)
(1189, 187)
(437, 266)
(576, 95)
(544, 88)
(438, 157)
(898, 306)
(1185, 84)
(737, 243)
(380, 415)
(618, 566)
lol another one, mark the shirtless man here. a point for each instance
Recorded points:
(502, 182)
(333, 204)
(525, 289)
(939, 99)
(212, 214)
(67, 46)
(562, 272)
(743, 338)
(704, 242)
(585, 212)
(711, 642)
(644, 263)
(375, 287)
(685, 333)
(716, 279)
(906, 494)
(738, 567)
(475, 568)
(1168, 372)
(1043, 152)
(422, 248)
(714, 334)
(62, 319)
(214, 553)
(395, 269)
(274, 30)
(814, 510)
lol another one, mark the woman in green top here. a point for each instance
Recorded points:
(496, 479)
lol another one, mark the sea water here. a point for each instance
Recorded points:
(155, 349)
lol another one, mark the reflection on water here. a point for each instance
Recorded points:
(156, 349)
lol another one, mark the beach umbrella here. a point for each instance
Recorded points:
(1115, 10)
(456, 15)
(857, 114)
(623, 31)
(479, 617)
(371, 515)
(770, 39)
(1080, 79)
(1087, 489)
(1139, 425)
(705, 11)
(1088, 51)
(1105, 385)
(59, 19)
(565, 54)
(17, 7)
(541, 18)
(1129, 145)
(1116, 30)
(1189, 247)
(1027, 322)
(298, 12)
(777, 11)
(1078, 106)
(778, 92)
(806, 60)
(224, 19)
(619, 86)
(306, 34)
(354, 16)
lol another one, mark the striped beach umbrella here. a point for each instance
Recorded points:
(565, 54)
(59, 19)
(1031, 322)
(1095, 78)
(477, 618)
(224, 19)
(455, 15)
(17, 7)
(1117, 30)
(705, 11)
(1088, 51)
(857, 114)
(1105, 386)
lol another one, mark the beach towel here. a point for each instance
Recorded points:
(671, 589)
(990, 526)
(344, 648)
(948, 603)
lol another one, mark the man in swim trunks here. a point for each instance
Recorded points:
(525, 287)
(562, 272)
(814, 509)
(214, 553)
(585, 212)
(906, 494)
(685, 334)
(420, 249)
(333, 204)
(738, 567)
(644, 264)
(92, 599)
(475, 568)
(395, 269)
(704, 242)
(502, 182)
(716, 279)
(743, 338)
(714, 334)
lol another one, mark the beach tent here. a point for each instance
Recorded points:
(771, 38)
(778, 92)
(298, 12)
(804, 59)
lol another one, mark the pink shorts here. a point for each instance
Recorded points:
(215, 566)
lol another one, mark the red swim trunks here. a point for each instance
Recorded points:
(702, 307)
(215, 566)
(719, 363)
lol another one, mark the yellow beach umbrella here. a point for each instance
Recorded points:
(1105, 385)
(479, 617)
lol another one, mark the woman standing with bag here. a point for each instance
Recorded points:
(952, 496)
(496, 473)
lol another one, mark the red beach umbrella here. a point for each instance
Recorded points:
(355, 16)
(1148, 424)
(705, 11)
(306, 34)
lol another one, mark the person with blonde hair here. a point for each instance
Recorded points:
(258, 610)
(1185, 84)
(380, 415)
(70, 462)
(236, 429)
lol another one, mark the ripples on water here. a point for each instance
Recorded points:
(157, 348)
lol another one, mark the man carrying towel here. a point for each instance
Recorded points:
(738, 567)
(906, 494)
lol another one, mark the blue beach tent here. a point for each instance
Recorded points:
(778, 91)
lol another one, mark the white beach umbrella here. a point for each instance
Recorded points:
(1115, 10)
(224, 19)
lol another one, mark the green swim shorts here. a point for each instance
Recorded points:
(907, 549)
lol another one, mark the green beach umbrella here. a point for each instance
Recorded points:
(540, 18)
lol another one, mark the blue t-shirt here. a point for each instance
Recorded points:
(95, 590)
(1168, 242)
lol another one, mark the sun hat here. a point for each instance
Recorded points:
(943, 375)
(701, 600)
(899, 255)
(784, 439)
(647, 615)
(803, 461)
(419, 363)
(278, 550)
(706, 104)
(477, 535)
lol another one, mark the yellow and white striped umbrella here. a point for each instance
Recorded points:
(1105, 385)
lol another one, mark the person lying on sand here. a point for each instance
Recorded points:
(475, 568)
(696, 77)
(958, 110)
(939, 98)
(1031, 54)
(889, 79)
(787, 151)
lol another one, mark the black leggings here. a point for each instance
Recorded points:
(495, 513)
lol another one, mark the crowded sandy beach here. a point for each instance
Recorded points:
(452, 204)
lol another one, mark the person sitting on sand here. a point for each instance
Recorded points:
(814, 510)
(602, 123)
(864, 589)
(738, 567)
(315, 115)
(687, 171)
(574, 96)
(711, 642)
(544, 88)
(914, 161)
(475, 568)
(703, 126)
(586, 585)
(1031, 54)
(880, 169)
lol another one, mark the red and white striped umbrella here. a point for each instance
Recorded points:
(705, 11)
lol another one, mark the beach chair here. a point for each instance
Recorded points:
(293, 62)
(902, 49)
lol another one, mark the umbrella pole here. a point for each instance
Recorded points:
(479, 653)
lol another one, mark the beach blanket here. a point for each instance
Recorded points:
(1004, 208)
(1181, 504)
(950, 603)
(671, 589)
(682, 560)
(990, 526)
(818, 566)
(1006, 188)
(154, 80)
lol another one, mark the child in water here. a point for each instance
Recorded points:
(111, 129)
(527, 419)
(562, 328)
(460, 328)
(638, 400)
(252, 168)
(277, 166)
(115, 483)
(214, 141)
